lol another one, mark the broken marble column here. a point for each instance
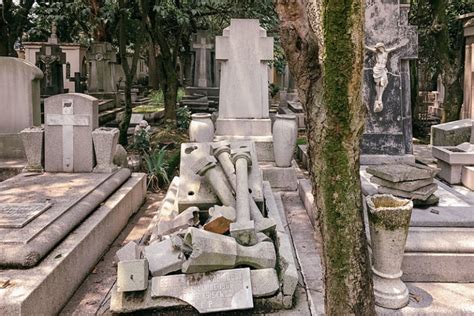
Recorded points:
(221, 151)
(188, 218)
(105, 142)
(32, 139)
(132, 275)
(389, 219)
(220, 218)
(244, 229)
(206, 167)
(164, 256)
(212, 252)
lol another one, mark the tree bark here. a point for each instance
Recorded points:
(323, 43)
(153, 77)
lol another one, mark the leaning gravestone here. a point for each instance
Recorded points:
(391, 42)
(69, 122)
(244, 50)
(19, 103)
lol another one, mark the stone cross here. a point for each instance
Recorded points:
(50, 60)
(202, 48)
(69, 121)
(244, 50)
(389, 131)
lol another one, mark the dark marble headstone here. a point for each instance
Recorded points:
(389, 131)
(50, 59)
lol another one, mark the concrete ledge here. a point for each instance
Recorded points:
(46, 288)
(440, 239)
(305, 191)
(280, 178)
(386, 159)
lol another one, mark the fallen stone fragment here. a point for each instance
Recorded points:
(264, 282)
(211, 292)
(407, 186)
(214, 252)
(399, 172)
(187, 218)
(430, 201)
(132, 275)
(220, 219)
(163, 257)
(420, 194)
(286, 260)
(467, 147)
(130, 251)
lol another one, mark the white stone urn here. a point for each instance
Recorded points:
(32, 138)
(201, 129)
(389, 219)
(285, 132)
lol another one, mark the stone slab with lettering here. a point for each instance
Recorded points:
(69, 121)
(208, 292)
(389, 132)
(194, 190)
(36, 212)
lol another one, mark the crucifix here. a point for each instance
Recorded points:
(201, 48)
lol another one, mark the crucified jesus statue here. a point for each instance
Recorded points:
(380, 70)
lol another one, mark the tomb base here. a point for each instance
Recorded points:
(280, 178)
(46, 288)
(386, 159)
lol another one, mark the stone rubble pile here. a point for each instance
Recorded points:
(413, 182)
(214, 236)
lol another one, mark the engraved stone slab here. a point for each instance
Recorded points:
(17, 215)
(208, 292)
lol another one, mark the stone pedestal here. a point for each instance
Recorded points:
(105, 142)
(33, 143)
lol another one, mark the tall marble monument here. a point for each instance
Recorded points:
(390, 43)
(244, 50)
(468, 100)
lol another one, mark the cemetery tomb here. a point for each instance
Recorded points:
(390, 43)
(19, 86)
(58, 224)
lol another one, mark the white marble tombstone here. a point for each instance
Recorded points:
(19, 95)
(244, 50)
(69, 121)
(468, 101)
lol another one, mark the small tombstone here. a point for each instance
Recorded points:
(69, 122)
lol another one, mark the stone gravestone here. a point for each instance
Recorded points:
(202, 60)
(19, 103)
(50, 60)
(390, 43)
(69, 122)
(244, 50)
(468, 101)
(101, 58)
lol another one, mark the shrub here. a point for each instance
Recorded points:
(157, 168)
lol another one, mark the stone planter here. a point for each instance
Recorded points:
(32, 138)
(201, 129)
(105, 142)
(389, 219)
(285, 132)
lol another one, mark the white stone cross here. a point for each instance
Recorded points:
(202, 48)
(68, 120)
(244, 49)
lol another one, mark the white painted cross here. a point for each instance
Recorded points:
(68, 120)
(202, 48)
(244, 49)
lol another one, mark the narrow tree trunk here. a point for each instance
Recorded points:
(153, 78)
(125, 123)
(323, 43)
(169, 85)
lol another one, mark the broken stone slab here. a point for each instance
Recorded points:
(211, 292)
(220, 219)
(187, 218)
(130, 251)
(467, 147)
(421, 194)
(433, 199)
(399, 172)
(214, 252)
(272, 207)
(286, 261)
(132, 275)
(407, 186)
(163, 257)
(264, 282)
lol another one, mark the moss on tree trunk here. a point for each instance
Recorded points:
(323, 43)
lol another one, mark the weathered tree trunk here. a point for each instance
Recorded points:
(153, 77)
(13, 19)
(169, 83)
(323, 43)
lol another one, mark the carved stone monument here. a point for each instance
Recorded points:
(69, 122)
(101, 57)
(391, 42)
(203, 70)
(244, 50)
(468, 102)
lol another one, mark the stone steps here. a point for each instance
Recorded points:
(46, 288)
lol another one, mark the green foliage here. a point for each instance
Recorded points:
(157, 98)
(274, 89)
(183, 117)
(181, 94)
(141, 141)
(157, 168)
